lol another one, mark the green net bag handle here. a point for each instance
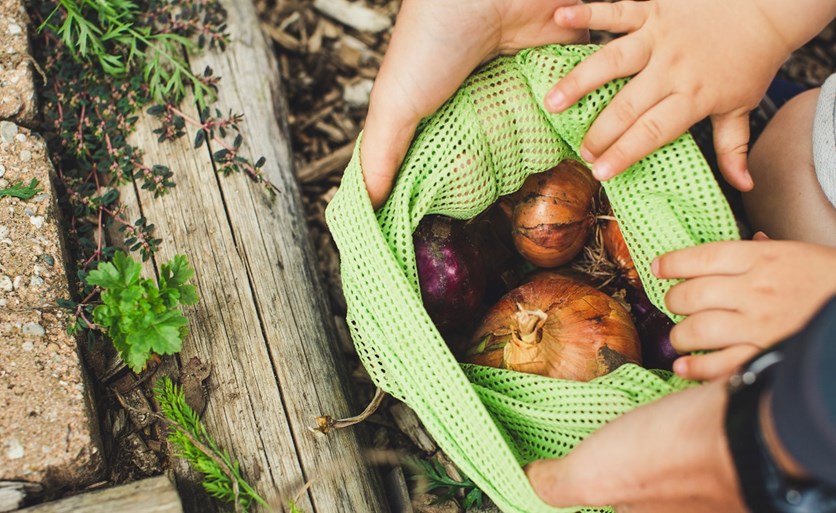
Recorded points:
(480, 145)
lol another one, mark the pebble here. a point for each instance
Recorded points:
(38, 221)
(52, 347)
(4, 231)
(14, 29)
(3, 302)
(36, 281)
(20, 138)
(4, 183)
(2, 170)
(25, 155)
(49, 259)
(14, 451)
(40, 197)
(8, 130)
(28, 346)
(6, 284)
(16, 282)
(33, 329)
(356, 95)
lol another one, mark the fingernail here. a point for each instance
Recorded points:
(680, 367)
(555, 101)
(602, 171)
(654, 267)
(587, 155)
(566, 13)
(747, 176)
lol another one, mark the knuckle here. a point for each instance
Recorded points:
(618, 12)
(654, 130)
(615, 57)
(624, 110)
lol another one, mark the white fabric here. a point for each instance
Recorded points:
(824, 139)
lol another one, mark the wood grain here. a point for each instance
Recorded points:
(152, 495)
(263, 322)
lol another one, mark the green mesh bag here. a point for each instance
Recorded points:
(480, 145)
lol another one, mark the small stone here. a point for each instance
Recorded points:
(4, 183)
(48, 259)
(33, 329)
(356, 95)
(28, 212)
(28, 346)
(3, 302)
(14, 451)
(21, 138)
(8, 130)
(6, 284)
(2, 170)
(14, 29)
(38, 221)
(17, 281)
(41, 197)
(36, 281)
(25, 155)
(4, 231)
(52, 347)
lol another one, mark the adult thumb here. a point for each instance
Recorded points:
(558, 482)
(731, 141)
(386, 137)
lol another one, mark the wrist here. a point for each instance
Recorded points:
(795, 23)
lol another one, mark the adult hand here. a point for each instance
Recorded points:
(691, 59)
(741, 297)
(435, 45)
(668, 456)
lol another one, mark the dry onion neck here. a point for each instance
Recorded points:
(529, 326)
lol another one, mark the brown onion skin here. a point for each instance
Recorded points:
(616, 248)
(553, 214)
(585, 334)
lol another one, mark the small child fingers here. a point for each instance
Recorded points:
(710, 329)
(617, 17)
(719, 364)
(621, 58)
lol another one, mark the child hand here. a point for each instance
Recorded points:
(690, 59)
(435, 45)
(741, 297)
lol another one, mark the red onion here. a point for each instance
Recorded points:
(450, 272)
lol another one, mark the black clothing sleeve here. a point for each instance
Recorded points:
(804, 396)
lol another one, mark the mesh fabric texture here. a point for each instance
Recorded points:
(478, 146)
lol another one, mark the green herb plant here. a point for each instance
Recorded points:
(19, 190)
(222, 474)
(140, 316)
(431, 476)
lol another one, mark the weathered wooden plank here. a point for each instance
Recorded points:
(152, 495)
(263, 321)
(292, 305)
(244, 413)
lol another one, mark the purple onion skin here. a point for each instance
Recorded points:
(654, 329)
(451, 274)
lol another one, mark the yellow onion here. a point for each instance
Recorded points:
(553, 214)
(558, 327)
(616, 248)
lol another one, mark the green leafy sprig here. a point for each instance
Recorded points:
(109, 33)
(222, 475)
(21, 191)
(432, 476)
(140, 316)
